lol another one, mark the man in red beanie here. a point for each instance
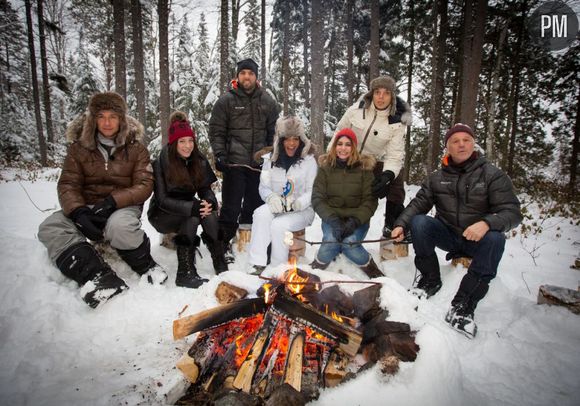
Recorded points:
(475, 205)
(106, 177)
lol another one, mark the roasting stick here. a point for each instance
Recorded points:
(289, 240)
(316, 283)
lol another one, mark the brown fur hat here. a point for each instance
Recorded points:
(83, 129)
(99, 102)
(385, 82)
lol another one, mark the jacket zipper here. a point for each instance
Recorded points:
(467, 193)
(367, 133)
(458, 198)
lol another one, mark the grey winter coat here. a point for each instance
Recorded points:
(464, 196)
(241, 124)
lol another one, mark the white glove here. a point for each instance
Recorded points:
(296, 205)
(288, 202)
(274, 202)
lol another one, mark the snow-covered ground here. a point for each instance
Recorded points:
(55, 350)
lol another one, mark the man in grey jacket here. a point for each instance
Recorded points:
(475, 204)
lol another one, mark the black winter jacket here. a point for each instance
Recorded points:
(464, 196)
(242, 124)
(176, 200)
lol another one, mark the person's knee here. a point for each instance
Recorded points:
(419, 224)
(494, 238)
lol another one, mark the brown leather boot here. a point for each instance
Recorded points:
(371, 269)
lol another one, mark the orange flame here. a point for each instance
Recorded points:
(267, 287)
(295, 282)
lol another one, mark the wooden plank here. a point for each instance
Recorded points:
(293, 373)
(243, 380)
(216, 316)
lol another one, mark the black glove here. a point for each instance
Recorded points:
(380, 186)
(221, 163)
(337, 227)
(105, 207)
(88, 223)
(350, 224)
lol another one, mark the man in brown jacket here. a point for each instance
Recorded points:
(106, 178)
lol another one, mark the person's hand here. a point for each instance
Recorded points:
(398, 234)
(350, 225)
(275, 203)
(105, 207)
(380, 185)
(88, 223)
(337, 226)
(221, 163)
(296, 205)
(288, 203)
(205, 209)
(476, 231)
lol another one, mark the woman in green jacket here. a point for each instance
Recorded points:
(343, 199)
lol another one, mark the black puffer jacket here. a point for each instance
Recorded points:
(172, 199)
(242, 124)
(464, 196)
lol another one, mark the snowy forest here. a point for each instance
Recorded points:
(468, 61)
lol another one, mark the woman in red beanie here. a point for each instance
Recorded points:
(343, 199)
(183, 200)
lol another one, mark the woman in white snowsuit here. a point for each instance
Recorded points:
(286, 186)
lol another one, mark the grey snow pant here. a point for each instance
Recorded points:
(123, 231)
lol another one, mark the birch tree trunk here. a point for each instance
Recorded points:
(407, 167)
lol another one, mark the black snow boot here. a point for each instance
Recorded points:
(430, 279)
(187, 275)
(97, 280)
(226, 234)
(371, 269)
(141, 261)
(461, 315)
(216, 249)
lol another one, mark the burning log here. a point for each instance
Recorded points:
(294, 362)
(216, 316)
(245, 374)
(349, 339)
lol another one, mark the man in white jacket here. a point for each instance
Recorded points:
(380, 121)
(286, 186)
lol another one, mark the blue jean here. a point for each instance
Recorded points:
(356, 253)
(429, 232)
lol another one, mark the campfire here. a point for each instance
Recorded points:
(300, 334)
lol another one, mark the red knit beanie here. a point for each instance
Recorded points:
(459, 127)
(179, 127)
(347, 132)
